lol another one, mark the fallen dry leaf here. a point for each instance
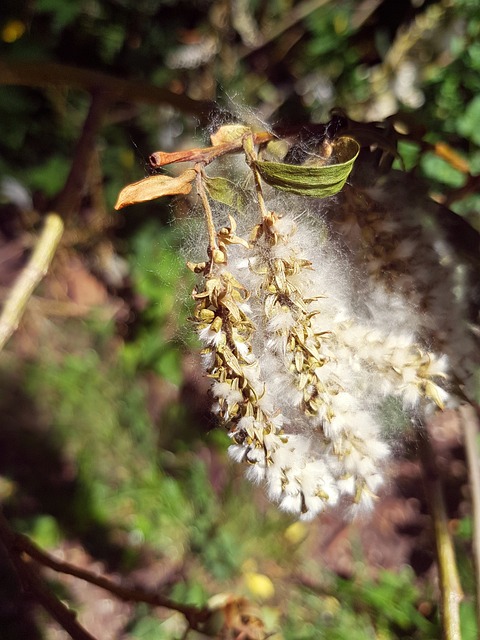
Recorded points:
(155, 187)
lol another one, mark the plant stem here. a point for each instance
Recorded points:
(471, 434)
(450, 587)
(32, 274)
(212, 232)
(206, 155)
(67, 203)
(46, 74)
(69, 198)
(251, 156)
(297, 13)
(32, 584)
(18, 545)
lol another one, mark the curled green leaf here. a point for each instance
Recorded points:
(314, 181)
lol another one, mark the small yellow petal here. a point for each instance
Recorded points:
(295, 533)
(13, 30)
(259, 585)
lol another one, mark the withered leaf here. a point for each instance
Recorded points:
(229, 133)
(276, 149)
(155, 187)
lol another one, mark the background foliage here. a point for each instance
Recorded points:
(106, 448)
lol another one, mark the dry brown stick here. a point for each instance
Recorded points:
(471, 186)
(68, 200)
(298, 13)
(471, 435)
(35, 269)
(49, 239)
(34, 586)
(449, 581)
(194, 615)
(47, 74)
(206, 155)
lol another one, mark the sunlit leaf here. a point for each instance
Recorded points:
(155, 187)
(318, 182)
(227, 192)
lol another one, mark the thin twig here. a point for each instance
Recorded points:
(31, 275)
(33, 585)
(70, 196)
(194, 615)
(206, 155)
(471, 434)
(67, 203)
(47, 74)
(298, 13)
(12, 313)
(212, 233)
(251, 157)
(471, 186)
(450, 587)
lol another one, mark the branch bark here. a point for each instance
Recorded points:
(193, 614)
(46, 74)
(30, 277)
(18, 545)
(33, 585)
(68, 200)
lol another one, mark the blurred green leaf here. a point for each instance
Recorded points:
(465, 528)
(440, 171)
(468, 621)
(468, 122)
(63, 13)
(45, 532)
(50, 176)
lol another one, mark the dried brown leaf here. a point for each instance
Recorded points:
(155, 187)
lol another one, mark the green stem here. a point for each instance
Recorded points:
(212, 232)
(251, 156)
(471, 434)
(449, 581)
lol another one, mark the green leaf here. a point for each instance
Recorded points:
(315, 181)
(50, 176)
(227, 192)
(438, 170)
(63, 13)
(46, 532)
(468, 121)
